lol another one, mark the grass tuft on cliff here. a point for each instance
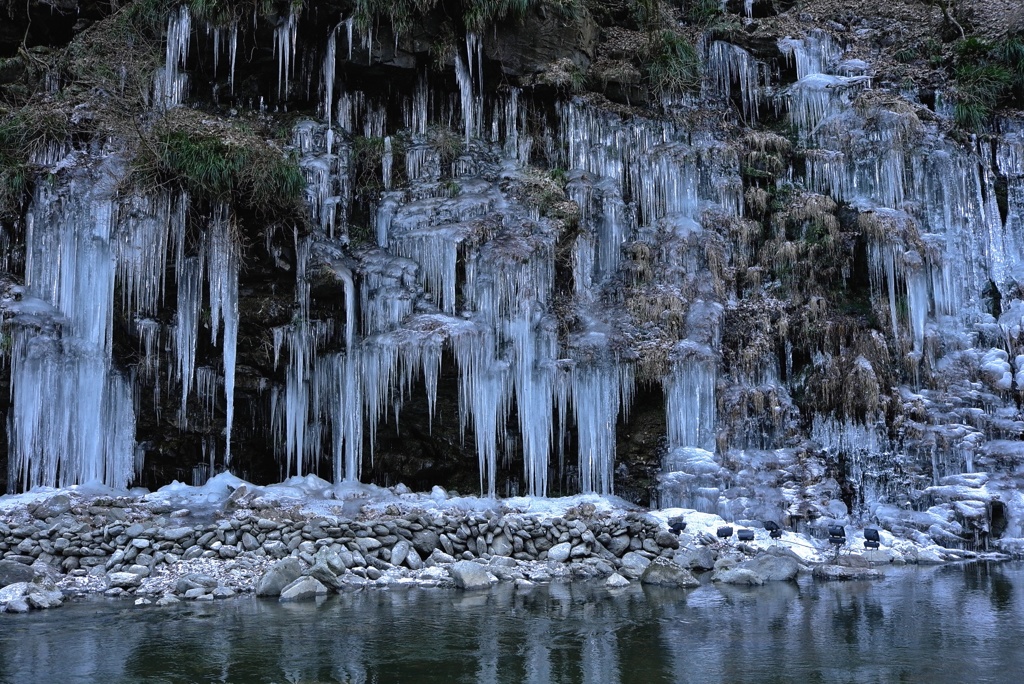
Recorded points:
(672, 64)
(987, 75)
(224, 163)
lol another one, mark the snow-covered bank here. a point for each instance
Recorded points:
(229, 536)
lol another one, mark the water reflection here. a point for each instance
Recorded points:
(950, 624)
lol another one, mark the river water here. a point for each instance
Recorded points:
(961, 623)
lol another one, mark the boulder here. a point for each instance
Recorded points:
(615, 580)
(13, 591)
(501, 546)
(618, 545)
(52, 507)
(663, 572)
(399, 552)
(323, 573)
(303, 589)
(634, 562)
(194, 580)
(560, 552)
(762, 568)
(280, 575)
(11, 572)
(470, 575)
(831, 572)
(425, 541)
(700, 558)
(124, 580)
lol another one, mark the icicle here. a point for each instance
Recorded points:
(171, 82)
(72, 418)
(186, 330)
(222, 269)
(690, 399)
(349, 25)
(285, 43)
(728, 64)
(233, 49)
(387, 159)
(327, 84)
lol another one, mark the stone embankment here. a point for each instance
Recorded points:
(118, 546)
(123, 547)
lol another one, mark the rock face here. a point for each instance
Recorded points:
(530, 47)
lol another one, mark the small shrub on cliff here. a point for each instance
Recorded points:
(222, 165)
(672, 64)
(987, 76)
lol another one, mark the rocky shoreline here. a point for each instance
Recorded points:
(66, 545)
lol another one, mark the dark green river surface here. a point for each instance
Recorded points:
(961, 623)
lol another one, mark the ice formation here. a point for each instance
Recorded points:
(546, 305)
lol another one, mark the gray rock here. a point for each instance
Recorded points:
(399, 552)
(618, 545)
(176, 533)
(501, 546)
(425, 541)
(700, 558)
(18, 605)
(52, 507)
(844, 573)
(280, 575)
(124, 580)
(303, 589)
(635, 562)
(438, 557)
(249, 542)
(323, 573)
(11, 572)
(738, 575)
(666, 539)
(13, 591)
(413, 560)
(470, 575)
(758, 570)
(615, 580)
(222, 592)
(663, 572)
(560, 552)
(196, 593)
(167, 600)
(275, 548)
(194, 580)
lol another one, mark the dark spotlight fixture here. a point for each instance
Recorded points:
(724, 532)
(745, 535)
(774, 531)
(836, 535)
(676, 526)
